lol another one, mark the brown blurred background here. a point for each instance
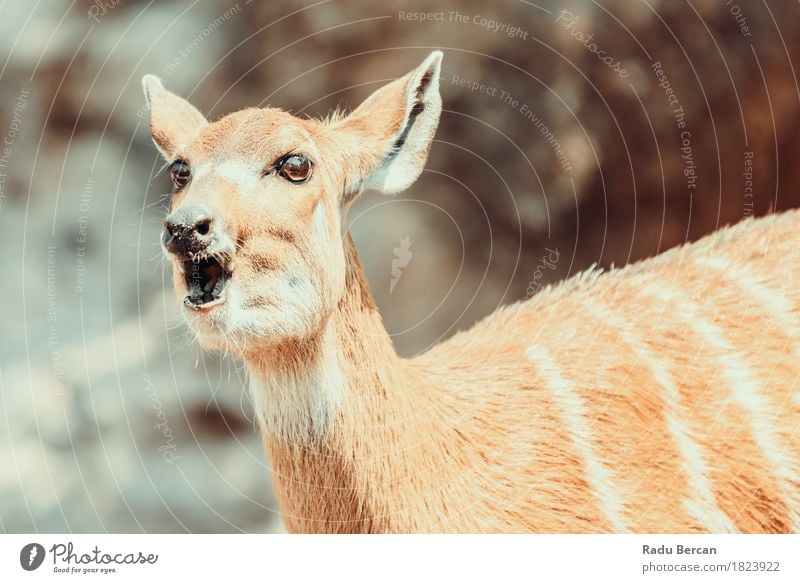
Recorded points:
(574, 133)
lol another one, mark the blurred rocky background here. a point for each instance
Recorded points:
(574, 133)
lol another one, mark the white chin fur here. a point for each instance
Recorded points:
(299, 405)
(230, 326)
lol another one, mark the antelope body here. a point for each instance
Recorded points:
(662, 397)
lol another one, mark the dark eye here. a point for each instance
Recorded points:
(294, 168)
(180, 172)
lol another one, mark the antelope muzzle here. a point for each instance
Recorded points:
(203, 251)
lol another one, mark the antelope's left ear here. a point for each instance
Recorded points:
(173, 120)
(391, 132)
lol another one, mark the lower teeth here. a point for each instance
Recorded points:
(209, 292)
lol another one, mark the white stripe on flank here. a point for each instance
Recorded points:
(773, 301)
(574, 415)
(746, 391)
(702, 504)
(782, 312)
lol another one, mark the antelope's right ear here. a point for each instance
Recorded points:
(173, 120)
(388, 136)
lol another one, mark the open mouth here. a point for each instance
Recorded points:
(206, 280)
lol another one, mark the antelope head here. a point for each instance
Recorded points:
(255, 230)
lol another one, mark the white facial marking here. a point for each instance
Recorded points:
(292, 296)
(321, 225)
(245, 176)
(202, 170)
(295, 293)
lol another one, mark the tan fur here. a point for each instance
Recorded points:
(662, 397)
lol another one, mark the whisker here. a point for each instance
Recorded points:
(160, 200)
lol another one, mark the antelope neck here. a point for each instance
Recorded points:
(331, 408)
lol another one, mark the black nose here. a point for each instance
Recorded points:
(188, 230)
